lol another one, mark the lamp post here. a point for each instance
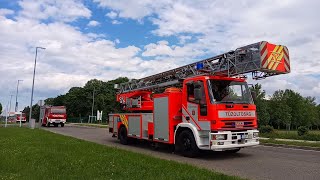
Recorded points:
(16, 108)
(34, 74)
(10, 104)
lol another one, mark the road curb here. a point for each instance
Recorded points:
(291, 146)
(85, 126)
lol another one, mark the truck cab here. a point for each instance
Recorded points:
(53, 115)
(222, 112)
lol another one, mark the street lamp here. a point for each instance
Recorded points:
(10, 103)
(16, 108)
(34, 74)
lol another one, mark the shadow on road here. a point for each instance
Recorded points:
(169, 149)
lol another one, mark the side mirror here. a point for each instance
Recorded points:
(197, 94)
(254, 95)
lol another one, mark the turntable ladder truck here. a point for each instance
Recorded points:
(205, 105)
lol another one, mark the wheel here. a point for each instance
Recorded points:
(233, 150)
(62, 124)
(123, 135)
(186, 144)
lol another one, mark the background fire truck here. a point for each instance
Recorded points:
(53, 115)
(21, 116)
(206, 105)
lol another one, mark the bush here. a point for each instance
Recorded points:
(303, 130)
(266, 129)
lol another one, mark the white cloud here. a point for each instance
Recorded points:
(4, 12)
(116, 22)
(93, 23)
(133, 9)
(220, 26)
(162, 48)
(112, 15)
(184, 39)
(71, 58)
(65, 11)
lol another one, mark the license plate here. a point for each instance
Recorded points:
(239, 124)
(243, 136)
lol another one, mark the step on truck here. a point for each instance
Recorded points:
(206, 105)
(53, 115)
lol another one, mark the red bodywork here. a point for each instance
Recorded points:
(51, 114)
(23, 117)
(178, 100)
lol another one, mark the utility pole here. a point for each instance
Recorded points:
(92, 101)
(34, 74)
(16, 108)
(10, 103)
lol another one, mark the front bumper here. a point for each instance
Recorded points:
(234, 140)
(53, 121)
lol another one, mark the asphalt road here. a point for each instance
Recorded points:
(261, 162)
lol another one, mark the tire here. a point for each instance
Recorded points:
(186, 144)
(123, 136)
(56, 125)
(233, 151)
(62, 124)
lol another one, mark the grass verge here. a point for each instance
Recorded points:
(311, 136)
(38, 154)
(91, 125)
(304, 144)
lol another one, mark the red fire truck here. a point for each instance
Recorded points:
(21, 116)
(53, 115)
(206, 105)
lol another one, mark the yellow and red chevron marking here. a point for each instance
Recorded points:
(274, 57)
(124, 120)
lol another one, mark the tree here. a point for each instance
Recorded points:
(309, 112)
(295, 101)
(317, 123)
(35, 112)
(0, 108)
(78, 100)
(261, 104)
(281, 112)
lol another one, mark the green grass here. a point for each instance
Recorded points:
(272, 141)
(38, 154)
(281, 134)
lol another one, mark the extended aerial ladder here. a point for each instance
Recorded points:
(261, 59)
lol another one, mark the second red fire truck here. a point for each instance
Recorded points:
(53, 115)
(206, 105)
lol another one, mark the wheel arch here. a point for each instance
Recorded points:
(187, 126)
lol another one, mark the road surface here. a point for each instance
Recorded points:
(261, 162)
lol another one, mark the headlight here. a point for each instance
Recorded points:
(219, 137)
(255, 134)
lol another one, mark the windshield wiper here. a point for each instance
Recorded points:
(230, 102)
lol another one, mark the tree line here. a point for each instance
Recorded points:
(79, 100)
(284, 109)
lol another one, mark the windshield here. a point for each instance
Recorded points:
(58, 111)
(222, 91)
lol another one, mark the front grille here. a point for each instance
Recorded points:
(229, 124)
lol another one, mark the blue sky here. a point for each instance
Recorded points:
(105, 39)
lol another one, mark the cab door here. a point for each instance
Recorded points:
(196, 109)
